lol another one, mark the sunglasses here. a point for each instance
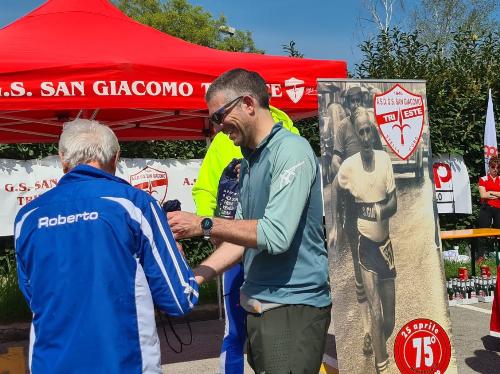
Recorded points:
(364, 131)
(495, 167)
(218, 116)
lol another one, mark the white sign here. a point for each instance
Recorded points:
(23, 181)
(451, 181)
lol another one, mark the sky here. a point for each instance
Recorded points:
(321, 29)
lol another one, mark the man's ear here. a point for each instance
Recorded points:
(64, 164)
(114, 163)
(249, 104)
(117, 158)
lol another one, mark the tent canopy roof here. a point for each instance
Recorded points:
(73, 58)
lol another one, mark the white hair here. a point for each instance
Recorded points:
(83, 141)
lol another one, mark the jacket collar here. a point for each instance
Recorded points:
(247, 152)
(82, 173)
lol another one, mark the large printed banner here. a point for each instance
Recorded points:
(389, 302)
(452, 184)
(22, 181)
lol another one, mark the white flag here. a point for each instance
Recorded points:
(490, 134)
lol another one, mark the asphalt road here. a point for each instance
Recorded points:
(475, 350)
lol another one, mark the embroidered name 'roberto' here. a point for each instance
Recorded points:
(62, 220)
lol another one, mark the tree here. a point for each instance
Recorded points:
(457, 90)
(381, 12)
(291, 50)
(188, 22)
(438, 20)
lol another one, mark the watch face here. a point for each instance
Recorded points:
(206, 224)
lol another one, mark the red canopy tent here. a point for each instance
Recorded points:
(73, 58)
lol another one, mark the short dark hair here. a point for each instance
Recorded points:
(241, 82)
(494, 161)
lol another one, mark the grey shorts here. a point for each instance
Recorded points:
(288, 339)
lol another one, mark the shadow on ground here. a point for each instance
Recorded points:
(486, 361)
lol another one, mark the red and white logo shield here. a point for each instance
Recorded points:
(154, 182)
(400, 118)
(296, 91)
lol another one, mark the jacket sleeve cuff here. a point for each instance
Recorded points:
(261, 237)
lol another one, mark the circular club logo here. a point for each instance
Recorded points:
(422, 347)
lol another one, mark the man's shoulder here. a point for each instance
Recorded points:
(43, 199)
(354, 159)
(114, 189)
(289, 142)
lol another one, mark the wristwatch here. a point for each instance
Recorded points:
(206, 227)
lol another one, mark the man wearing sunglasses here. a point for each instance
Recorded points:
(368, 177)
(220, 156)
(278, 231)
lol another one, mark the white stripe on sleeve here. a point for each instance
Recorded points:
(136, 214)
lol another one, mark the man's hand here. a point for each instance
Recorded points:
(203, 274)
(184, 225)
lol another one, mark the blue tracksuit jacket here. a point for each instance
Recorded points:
(93, 255)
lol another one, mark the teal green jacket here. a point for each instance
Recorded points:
(281, 189)
(218, 156)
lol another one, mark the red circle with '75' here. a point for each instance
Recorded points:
(422, 347)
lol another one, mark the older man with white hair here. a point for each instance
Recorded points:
(93, 255)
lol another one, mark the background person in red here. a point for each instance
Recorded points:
(489, 191)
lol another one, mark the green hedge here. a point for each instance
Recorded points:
(13, 306)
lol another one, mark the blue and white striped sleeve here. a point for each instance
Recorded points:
(172, 283)
(23, 280)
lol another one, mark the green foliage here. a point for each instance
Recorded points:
(457, 91)
(196, 250)
(27, 151)
(309, 129)
(13, 307)
(160, 149)
(208, 292)
(188, 22)
(291, 50)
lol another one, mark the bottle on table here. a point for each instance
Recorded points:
(449, 289)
